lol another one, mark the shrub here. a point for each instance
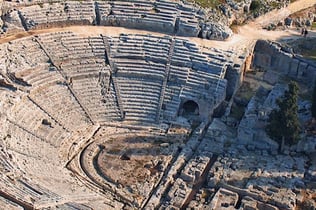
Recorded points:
(255, 5)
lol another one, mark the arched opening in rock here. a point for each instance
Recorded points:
(190, 108)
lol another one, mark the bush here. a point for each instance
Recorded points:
(255, 5)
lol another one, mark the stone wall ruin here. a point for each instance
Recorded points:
(271, 56)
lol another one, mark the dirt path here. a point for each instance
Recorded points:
(80, 30)
(277, 15)
(243, 40)
(252, 31)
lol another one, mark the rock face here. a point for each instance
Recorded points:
(270, 56)
(236, 11)
(251, 127)
(307, 145)
(300, 46)
(215, 31)
(12, 23)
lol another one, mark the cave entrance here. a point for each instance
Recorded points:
(190, 108)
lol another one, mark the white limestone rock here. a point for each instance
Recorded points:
(216, 31)
(13, 23)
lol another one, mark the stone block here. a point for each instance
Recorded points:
(288, 21)
(310, 73)
(294, 66)
(271, 77)
(302, 69)
(284, 63)
(216, 31)
(265, 47)
(262, 60)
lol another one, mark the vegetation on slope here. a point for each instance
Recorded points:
(208, 3)
(283, 122)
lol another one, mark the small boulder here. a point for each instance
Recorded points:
(288, 21)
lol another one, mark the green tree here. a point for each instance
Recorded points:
(255, 5)
(314, 101)
(283, 124)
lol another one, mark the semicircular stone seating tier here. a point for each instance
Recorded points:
(81, 80)
(179, 18)
(65, 82)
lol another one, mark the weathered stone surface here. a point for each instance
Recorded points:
(262, 60)
(311, 73)
(248, 203)
(294, 67)
(288, 21)
(12, 23)
(307, 145)
(273, 57)
(301, 72)
(62, 70)
(251, 127)
(224, 198)
(284, 65)
(180, 18)
(178, 193)
(215, 31)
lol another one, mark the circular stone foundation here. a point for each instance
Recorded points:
(130, 164)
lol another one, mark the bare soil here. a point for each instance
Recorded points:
(134, 161)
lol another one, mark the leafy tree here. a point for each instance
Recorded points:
(314, 101)
(283, 124)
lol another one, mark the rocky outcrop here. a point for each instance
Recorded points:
(238, 12)
(307, 145)
(304, 18)
(12, 22)
(215, 31)
(5, 83)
